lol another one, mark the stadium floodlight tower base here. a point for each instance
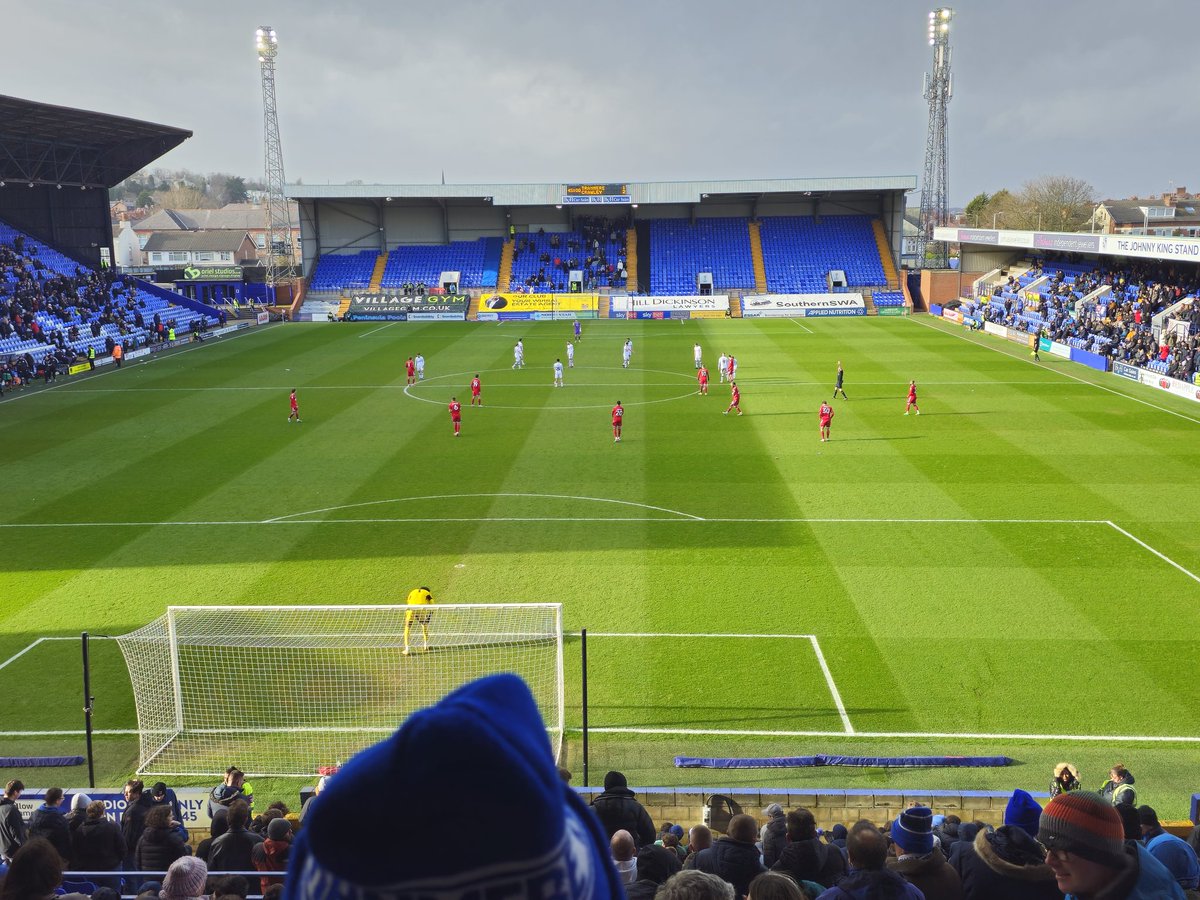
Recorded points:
(283, 690)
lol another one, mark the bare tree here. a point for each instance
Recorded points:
(1057, 203)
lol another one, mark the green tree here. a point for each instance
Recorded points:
(235, 189)
(974, 211)
(144, 199)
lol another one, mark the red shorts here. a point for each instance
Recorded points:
(704, 381)
(825, 422)
(616, 423)
(456, 418)
(474, 393)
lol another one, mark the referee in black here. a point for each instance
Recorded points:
(838, 387)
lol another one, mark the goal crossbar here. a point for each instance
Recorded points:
(283, 690)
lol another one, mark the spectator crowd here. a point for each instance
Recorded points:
(1119, 324)
(465, 801)
(596, 248)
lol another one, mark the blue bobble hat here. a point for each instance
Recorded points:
(482, 749)
(1023, 812)
(913, 830)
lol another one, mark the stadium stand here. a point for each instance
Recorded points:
(424, 263)
(799, 252)
(339, 271)
(543, 261)
(1047, 299)
(679, 249)
(888, 298)
(53, 310)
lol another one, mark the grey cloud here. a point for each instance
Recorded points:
(493, 90)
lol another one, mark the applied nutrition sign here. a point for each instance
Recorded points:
(764, 306)
(577, 194)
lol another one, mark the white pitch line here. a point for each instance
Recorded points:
(802, 325)
(686, 634)
(374, 330)
(21, 653)
(763, 383)
(837, 697)
(906, 735)
(1162, 556)
(679, 517)
(1101, 387)
(16, 656)
(811, 638)
(99, 732)
(523, 496)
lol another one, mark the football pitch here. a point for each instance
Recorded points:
(1011, 572)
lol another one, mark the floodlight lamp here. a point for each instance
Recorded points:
(932, 15)
(388, 199)
(946, 13)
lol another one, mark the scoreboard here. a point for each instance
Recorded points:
(596, 193)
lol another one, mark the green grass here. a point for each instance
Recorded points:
(1020, 612)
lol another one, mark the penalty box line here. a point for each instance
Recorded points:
(811, 638)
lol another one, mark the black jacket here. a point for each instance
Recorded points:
(12, 828)
(618, 809)
(812, 860)
(133, 822)
(99, 846)
(49, 822)
(158, 848)
(735, 861)
(233, 851)
(1006, 864)
(774, 839)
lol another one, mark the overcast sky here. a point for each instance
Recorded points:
(637, 90)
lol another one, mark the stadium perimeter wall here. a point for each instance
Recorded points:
(943, 285)
(685, 806)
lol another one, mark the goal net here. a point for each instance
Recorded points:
(282, 690)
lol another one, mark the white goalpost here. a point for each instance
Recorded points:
(283, 690)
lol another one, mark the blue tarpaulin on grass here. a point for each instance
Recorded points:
(30, 762)
(887, 762)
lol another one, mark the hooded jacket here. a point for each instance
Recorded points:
(271, 856)
(872, 884)
(99, 846)
(617, 809)
(1143, 878)
(812, 860)
(1008, 864)
(158, 848)
(774, 839)
(930, 874)
(50, 822)
(12, 828)
(735, 861)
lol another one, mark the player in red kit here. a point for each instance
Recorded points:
(295, 408)
(410, 369)
(735, 401)
(702, 377)
(476, 387)
(825, 414)
(618, 413)
(730, 368)
(912, 399)
(456, 414)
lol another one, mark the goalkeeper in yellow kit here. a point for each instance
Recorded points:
(418, 597)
